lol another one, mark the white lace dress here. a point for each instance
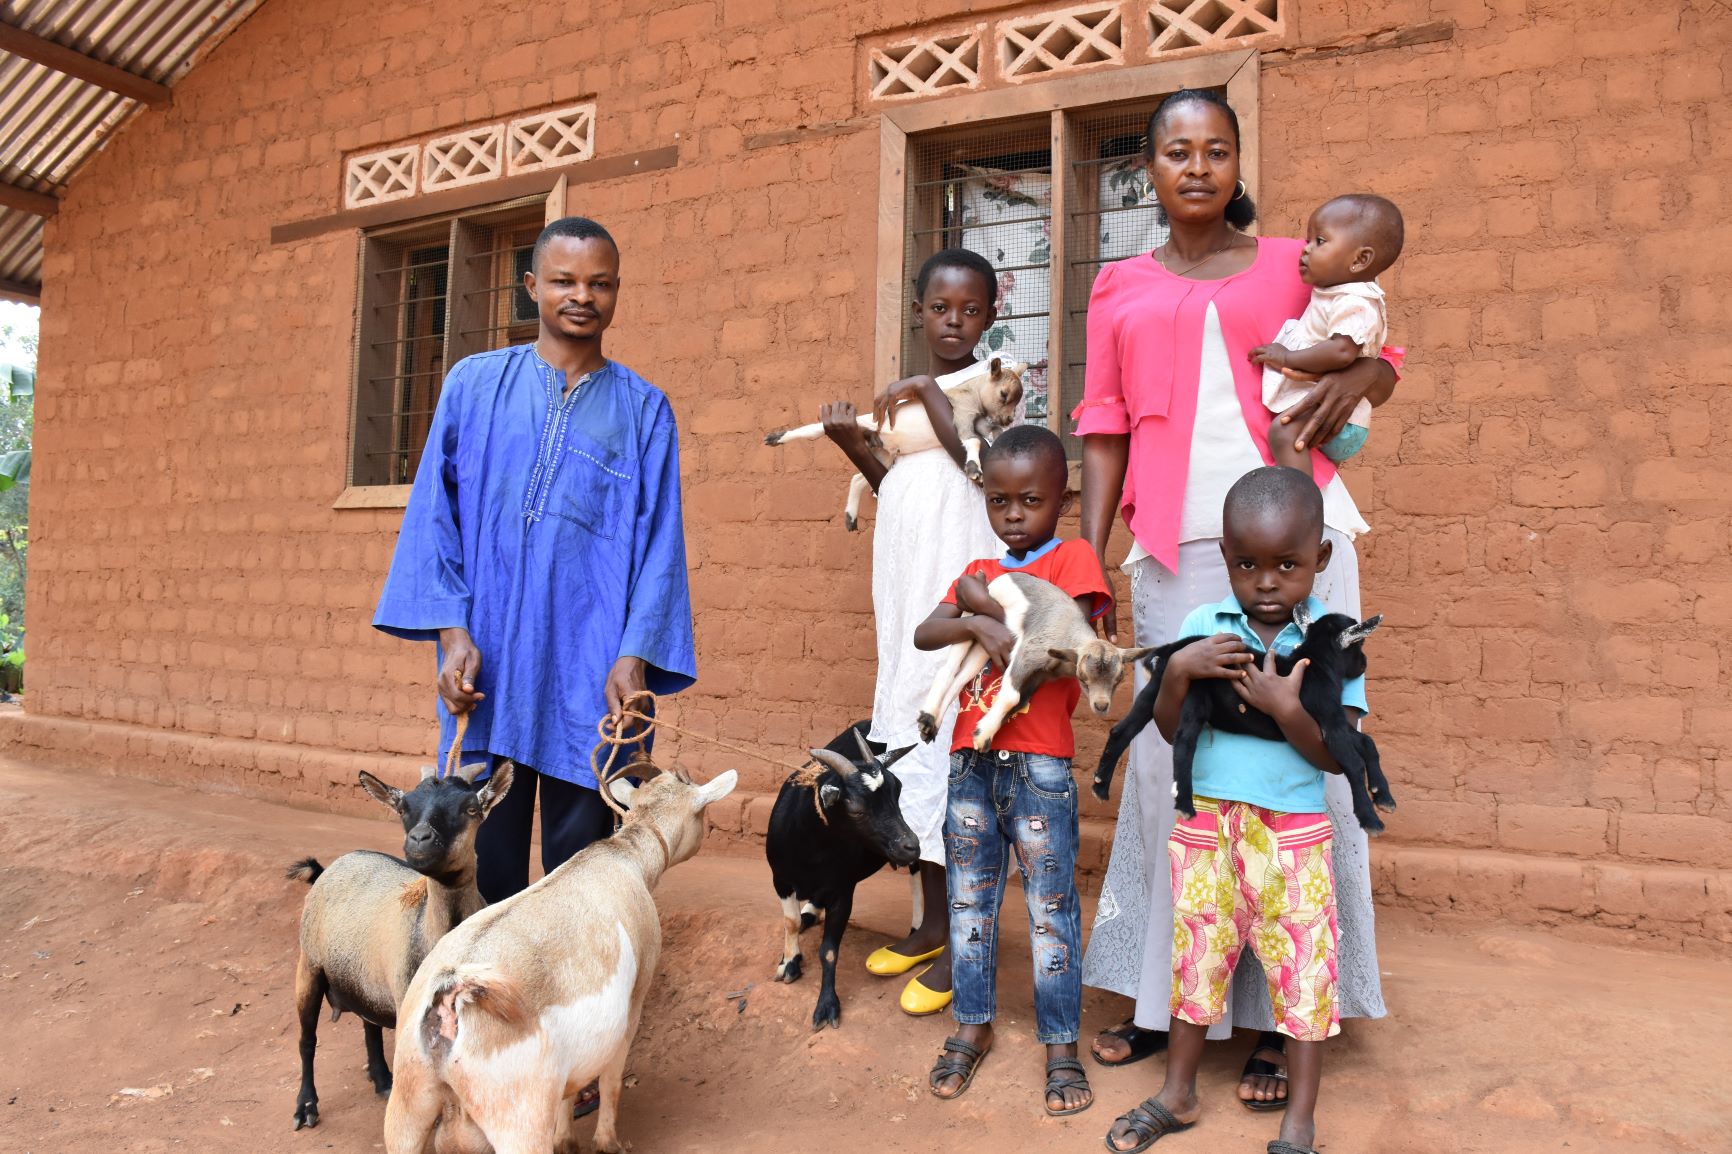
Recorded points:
(931, 524)
(1130, 948)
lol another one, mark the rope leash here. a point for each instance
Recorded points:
(616, 733)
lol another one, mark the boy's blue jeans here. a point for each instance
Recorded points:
(1026, 802)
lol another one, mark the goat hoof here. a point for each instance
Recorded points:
(382, 1087)
(850, 523)
(1384, 802)
(828, 1013)
(307, 1114)
(927, 725)
(789, 971)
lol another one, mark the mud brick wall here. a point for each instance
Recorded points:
(1550, 509)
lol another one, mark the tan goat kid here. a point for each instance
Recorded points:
(521, 1006)
(983, 400)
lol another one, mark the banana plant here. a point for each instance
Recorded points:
(16, 381)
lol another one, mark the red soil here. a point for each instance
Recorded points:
(147, 944)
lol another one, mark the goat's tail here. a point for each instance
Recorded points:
(306, 870)
(471, 988)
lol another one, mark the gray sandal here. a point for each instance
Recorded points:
(1149, 1122)
(1056, 1086)
(958, 1058)
(1280, 1147)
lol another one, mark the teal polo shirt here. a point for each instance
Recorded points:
(1234, 767)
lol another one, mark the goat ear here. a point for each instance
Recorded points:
(1302, 617)
(1134, 655)
(623, 791)
(717, 788)
(380, 792)
(995, 366)
(1361, 631)
(1066, 656)
(829, 794)
(497, 785)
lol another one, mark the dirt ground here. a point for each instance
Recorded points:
(147, 950)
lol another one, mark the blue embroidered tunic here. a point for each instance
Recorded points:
(549, 525)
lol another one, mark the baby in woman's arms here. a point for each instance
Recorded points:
(1348, 242)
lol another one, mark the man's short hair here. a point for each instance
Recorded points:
(1276, 491)
(574, 227)
(1035, 441)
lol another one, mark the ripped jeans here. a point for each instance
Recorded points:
(1027, 802)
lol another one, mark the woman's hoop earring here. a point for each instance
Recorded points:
(1240, 193)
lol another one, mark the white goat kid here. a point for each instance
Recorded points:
(983, 400)
(521, 1006)
(1053, 640)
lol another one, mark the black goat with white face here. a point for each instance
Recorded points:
(1335, 645)
(828, 833)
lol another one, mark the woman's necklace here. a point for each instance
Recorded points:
(1191, 267)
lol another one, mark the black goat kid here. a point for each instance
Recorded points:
(1335, 645)
(816, 861)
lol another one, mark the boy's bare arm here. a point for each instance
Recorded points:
(947, 626)
(1221, 656)
(1330, 356)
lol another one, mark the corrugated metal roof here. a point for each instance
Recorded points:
(50, 123)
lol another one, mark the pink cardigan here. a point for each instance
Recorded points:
(1145, 346)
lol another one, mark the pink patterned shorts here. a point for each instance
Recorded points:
(1242, 873)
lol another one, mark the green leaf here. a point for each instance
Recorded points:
(995, 339)
(17, 380)
(16, 657)
(14, 469)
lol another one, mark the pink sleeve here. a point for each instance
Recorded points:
(1103, 405)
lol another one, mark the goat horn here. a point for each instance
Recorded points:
(866, 753)
(835, 761)
(893, 756)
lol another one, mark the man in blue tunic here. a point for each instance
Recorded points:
(544, 551)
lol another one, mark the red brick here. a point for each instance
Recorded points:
(1547, 829)
(1683, 838)
(1628, 719)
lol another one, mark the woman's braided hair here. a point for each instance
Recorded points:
(1241, 211)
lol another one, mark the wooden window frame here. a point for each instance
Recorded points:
(1236, 72)
(467, 319)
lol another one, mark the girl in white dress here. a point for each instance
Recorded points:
(931, 523)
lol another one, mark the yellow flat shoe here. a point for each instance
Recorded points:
(887, 963)
(918, 1001)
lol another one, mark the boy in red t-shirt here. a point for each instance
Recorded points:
(1019, 794)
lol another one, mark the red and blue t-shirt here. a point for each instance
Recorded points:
(1041, 724)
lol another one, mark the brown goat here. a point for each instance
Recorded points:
(370, 918)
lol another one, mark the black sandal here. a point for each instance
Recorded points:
(1150, 1122)
(1056, 1086)
(587, 1106)
(958, 1058)
(1280, 1147)
(1143, 1043)
(1256, 1067)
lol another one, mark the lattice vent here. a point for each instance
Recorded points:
(1175, 25)
(376, 177)
(463, 158)
(551, 139)
(1062, 41)
(925, 65)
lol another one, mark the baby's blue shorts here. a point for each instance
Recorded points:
(1346, 443)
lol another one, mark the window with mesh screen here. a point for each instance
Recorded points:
(431, 295)
(995, 189)
(991, 192)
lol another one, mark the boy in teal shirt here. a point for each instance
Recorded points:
(1253, 865)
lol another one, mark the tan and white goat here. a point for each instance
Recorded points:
(1053, 640)
(983, 400)
(521, 1006)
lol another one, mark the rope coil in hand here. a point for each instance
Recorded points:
(637, 719)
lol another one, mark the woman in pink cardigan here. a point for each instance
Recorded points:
(1172, 415)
